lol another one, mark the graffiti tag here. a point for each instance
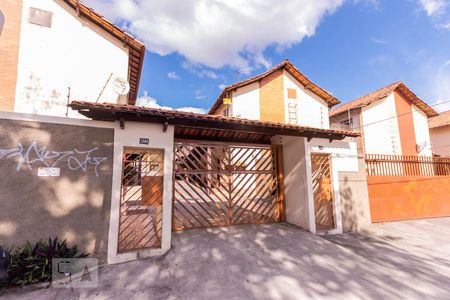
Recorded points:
(34, 154)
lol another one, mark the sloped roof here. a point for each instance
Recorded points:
(383, 93)
(441, 120)
(213, 127)
(288, 66)
(136, 50)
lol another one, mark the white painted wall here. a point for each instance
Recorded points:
(440, 141)
(421, 131)
(71, 53)
(245, 102)
(312, 110)
(380, 125)
(129, 137)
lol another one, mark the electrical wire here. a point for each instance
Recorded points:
(396, 116)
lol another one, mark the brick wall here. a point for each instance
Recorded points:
(405, 124)
(9, 52)
(271, 97)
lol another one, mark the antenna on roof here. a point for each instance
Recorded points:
(99, 95)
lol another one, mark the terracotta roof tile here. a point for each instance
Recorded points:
(441, 120)
(383, 93)
(139, 111)
(286, 64)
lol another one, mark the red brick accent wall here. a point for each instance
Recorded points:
(9, 52)
(271, 97)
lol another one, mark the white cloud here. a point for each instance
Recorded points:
(445, 25)
(200, 94)
(173, 76)
(199, 70)
(441, 87)
(378, 41)
(439, 11)
(218, 33)
(434, 7)
(379, 60)
(196, 110)
(148, 101)
(222, 86)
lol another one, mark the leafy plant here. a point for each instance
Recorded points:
(33, 263)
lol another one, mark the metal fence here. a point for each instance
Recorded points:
(400, 165)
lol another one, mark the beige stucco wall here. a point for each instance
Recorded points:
(355, 206)
(74, 205)
(297, 178)
(354, 197)
(129, 138)
(440, 140)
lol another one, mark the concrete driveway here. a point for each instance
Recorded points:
(393, 261)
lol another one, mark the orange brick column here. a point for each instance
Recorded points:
(9, 52)
(271, 97)
(405, 124)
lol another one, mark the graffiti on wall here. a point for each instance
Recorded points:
(34, 155)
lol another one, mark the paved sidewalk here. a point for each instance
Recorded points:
(281, 262)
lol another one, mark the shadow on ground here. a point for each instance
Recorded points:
(270, 262)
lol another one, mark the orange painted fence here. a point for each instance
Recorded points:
(408, 187)
(400, 165)
(395, 198)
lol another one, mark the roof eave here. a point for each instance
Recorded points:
(108, 114)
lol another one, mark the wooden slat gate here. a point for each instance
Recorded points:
(221, 185)
(322, 191)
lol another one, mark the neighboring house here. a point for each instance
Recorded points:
(393, 121)
(54, 51)
(281, 94)
(440, 133)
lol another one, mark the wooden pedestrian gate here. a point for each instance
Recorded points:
(221, 185)
(322, 191)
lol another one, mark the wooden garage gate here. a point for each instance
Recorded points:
(216, 184)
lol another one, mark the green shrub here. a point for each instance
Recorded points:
(33, 263)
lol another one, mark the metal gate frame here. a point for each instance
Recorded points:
(141, 197)
(200, 204)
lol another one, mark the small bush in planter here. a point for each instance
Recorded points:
(33, 263)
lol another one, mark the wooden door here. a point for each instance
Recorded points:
(322, 191)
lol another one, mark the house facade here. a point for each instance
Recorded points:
(440, 134)
(392, 120)
(55, 51)
(405, 181)
(281, 94)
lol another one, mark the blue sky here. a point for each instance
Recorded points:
(350, 48)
